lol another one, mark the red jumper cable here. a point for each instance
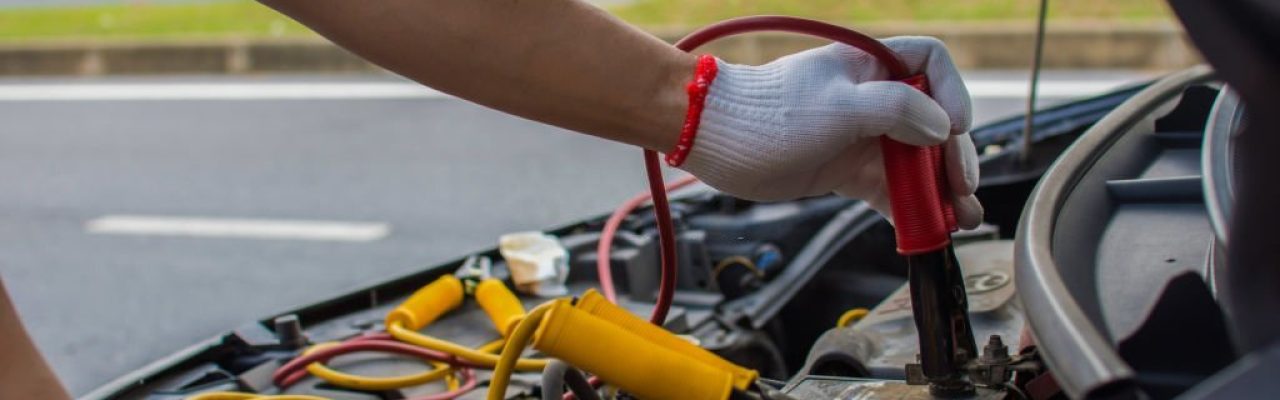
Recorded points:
(921, 207)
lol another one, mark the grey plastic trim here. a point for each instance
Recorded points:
(117, 387)
(1220, 130)
(1082, 359)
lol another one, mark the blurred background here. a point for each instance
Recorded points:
(174, 169)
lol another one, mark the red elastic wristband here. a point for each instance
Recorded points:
(703, 75)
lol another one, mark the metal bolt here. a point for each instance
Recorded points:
(995, 350)
(289, 332)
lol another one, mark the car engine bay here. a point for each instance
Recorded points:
(1100, 259)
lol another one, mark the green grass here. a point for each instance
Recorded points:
(153, 21)
(698, 12)
(246, 18)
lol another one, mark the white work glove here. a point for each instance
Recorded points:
(808, 124)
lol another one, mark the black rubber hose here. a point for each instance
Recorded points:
(553, 380)
(762, 305)
(579, 385)
(557, 374)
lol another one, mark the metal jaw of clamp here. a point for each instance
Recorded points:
(474, 269)
(940, 308)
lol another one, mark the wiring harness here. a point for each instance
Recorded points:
(449, 361)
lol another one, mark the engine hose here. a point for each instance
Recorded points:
(559, 374)
(605, 246)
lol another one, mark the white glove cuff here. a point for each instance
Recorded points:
(743, 105)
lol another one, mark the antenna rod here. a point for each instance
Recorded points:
(1028, 121)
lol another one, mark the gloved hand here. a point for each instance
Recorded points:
(808, 124)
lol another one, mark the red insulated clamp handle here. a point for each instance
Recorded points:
(923, 214)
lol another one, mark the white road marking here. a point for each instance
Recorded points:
(23, 92)
(238, 228)
(216, 91)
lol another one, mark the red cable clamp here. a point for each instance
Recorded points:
(703, 75)
(923, 213)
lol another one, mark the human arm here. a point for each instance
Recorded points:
(23, 372)
(565, 63)
(800, 126)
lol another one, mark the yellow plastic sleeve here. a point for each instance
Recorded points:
(626, 359)
(427, 304)
(596, 304)
(502, 306)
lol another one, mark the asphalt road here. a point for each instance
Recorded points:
(438, 176)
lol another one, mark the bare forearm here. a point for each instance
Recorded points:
(23, 373)
(557, 61)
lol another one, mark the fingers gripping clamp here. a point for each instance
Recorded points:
(922, 209)
(923, 213)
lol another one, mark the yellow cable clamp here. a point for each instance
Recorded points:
(427, 304)
(502, 306)
(629, 358)
(597, 305)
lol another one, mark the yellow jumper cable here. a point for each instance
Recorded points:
(439, 370)
(516, 343)
(429, 304)
(250, 396)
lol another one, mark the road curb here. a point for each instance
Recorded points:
(1159, 46)
(229, 56)
(1146, 46)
